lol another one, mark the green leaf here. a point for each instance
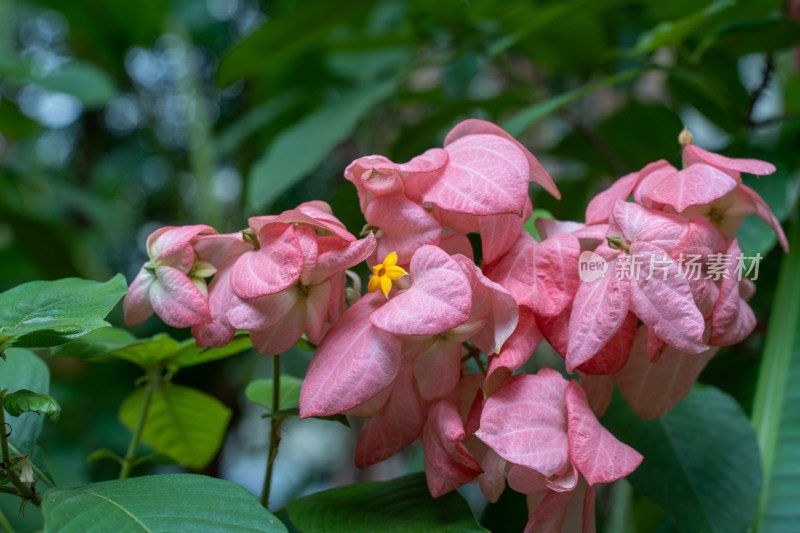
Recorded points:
(530, 224)
(259, 392)
(147, 352)
(234, 135)
(673, 32)
(757, 36)
(190, 354)
(158, 504)
(284, 36)
(776, 399)
(90, 84)
(301, 148)
(399, 505)
(23, 370)
(701, 461)
(527, 117)
(25, 401)
(96, 344)
(183, 423)
(87, 82)
(103, 453)
(41, 314)
(108, 343)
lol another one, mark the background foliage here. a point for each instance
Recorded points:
(118, 118)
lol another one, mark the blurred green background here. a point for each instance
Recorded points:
(118, 117)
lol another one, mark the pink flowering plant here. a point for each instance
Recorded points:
(446, 346)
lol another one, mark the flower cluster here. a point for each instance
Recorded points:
(404, 355)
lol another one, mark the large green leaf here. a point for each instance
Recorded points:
(41, 314)
(301, 148)
(157, 504)
(777, 397)
(284, 36)
(183, 423)
(701, 463)
(23, 370)
(399, 505)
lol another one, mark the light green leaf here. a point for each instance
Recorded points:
(399, 505)
(23, 370)
(701, 462)
(777, 397)
(527, 117)
(183, 423)
(25, 401)
(530, 224)
(259, 392)
(157, 504)
(301, 148)
(41, 314)
(147, 352)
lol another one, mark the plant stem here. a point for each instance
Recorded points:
(25, 491)
(133, 448)
(274, 429)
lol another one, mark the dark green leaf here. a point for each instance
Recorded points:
(701, 462)
(284, 36)
(158, 504)
(252, 121)
(527, 117)
(301, 148)
(757, 36)
(45, 313)
(259, 392)
(25, 401)
(183, 423)
(399, 505)
(340, 418)
(673, 32)
(96, 344)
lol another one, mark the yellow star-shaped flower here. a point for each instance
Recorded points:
(384, 274)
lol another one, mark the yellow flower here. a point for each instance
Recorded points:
(384, 274)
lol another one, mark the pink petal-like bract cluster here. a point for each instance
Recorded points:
(439, 353)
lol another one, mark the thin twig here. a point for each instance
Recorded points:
(274, 431)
